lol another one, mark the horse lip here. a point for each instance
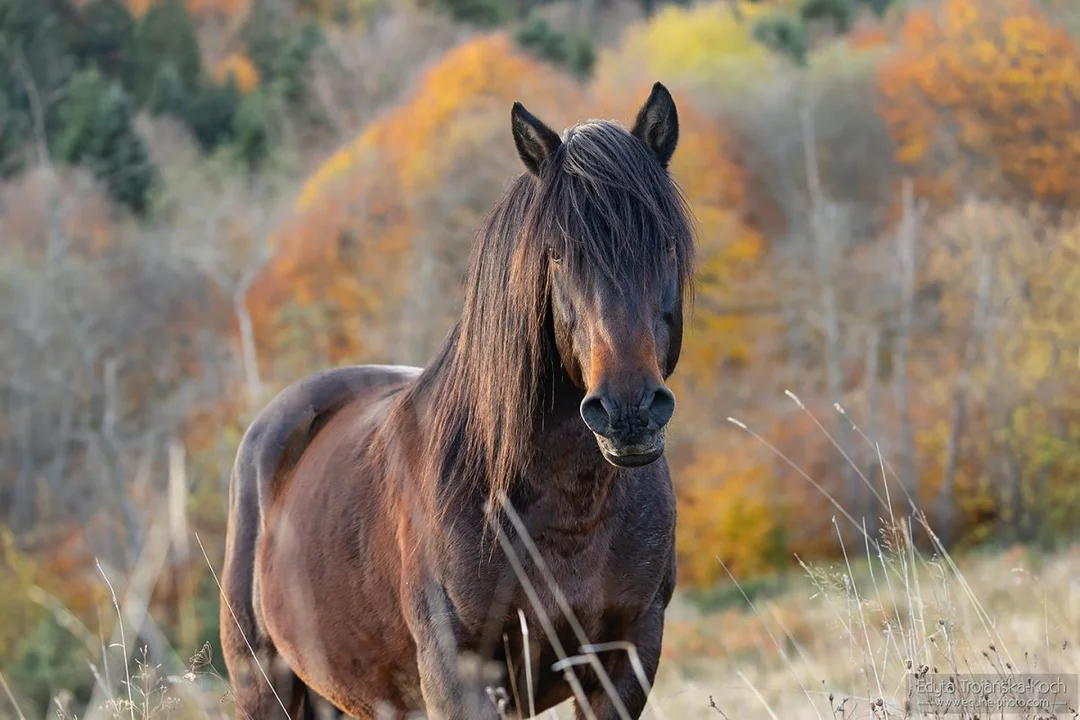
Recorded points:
(632, 456)
(631, 460)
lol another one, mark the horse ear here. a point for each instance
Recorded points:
(535, 141)
(657, 124)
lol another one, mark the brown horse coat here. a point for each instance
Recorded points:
(373, 554)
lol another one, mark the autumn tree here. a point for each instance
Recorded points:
(1011, 429)
(709, 48)
(242, 70)
(279, 46)
(980, 97)
(372, 263)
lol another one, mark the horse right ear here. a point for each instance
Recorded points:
(657, 124)
(535, 141)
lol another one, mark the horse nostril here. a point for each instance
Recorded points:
(595, 415)
(662, 407)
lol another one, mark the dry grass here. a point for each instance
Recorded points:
(840, 639)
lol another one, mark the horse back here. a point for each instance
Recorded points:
(283, 430)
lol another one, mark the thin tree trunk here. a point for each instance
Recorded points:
(905, 237)
(57, 475)
(824, 226)
(24, 508)
(248, 349)
(946, 500)
(1012, 479)
(55, 247)
(113, 468)
(873, 427)
(178, 528)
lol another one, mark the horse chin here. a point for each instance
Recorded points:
(632, 456)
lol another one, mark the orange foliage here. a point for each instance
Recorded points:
(981, 96)
(867, 37)
(244, 72)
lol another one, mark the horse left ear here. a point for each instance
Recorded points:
(657, 124)
(535, 141)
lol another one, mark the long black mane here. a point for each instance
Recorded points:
(614, 215)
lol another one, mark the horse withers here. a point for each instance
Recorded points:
(391, 527)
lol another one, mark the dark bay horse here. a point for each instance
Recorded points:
(395, 534)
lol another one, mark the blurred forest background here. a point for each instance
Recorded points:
(203, 200)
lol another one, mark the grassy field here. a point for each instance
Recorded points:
(829, 641)
(836, 640)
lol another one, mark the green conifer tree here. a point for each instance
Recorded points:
(105, 37)
(168, 95)
(35, 65)
(211, 112)
(252, 129)
(79, 114)
(165, 33)
(783, 35)
(117, 154)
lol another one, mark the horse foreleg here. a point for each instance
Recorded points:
(453, 684)
(646, 636)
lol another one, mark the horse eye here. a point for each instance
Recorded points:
(555, 256)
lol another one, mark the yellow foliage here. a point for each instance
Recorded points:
(980, 96)
(726, 511)
(709, 47)
(244, 72)
(1022, 363)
